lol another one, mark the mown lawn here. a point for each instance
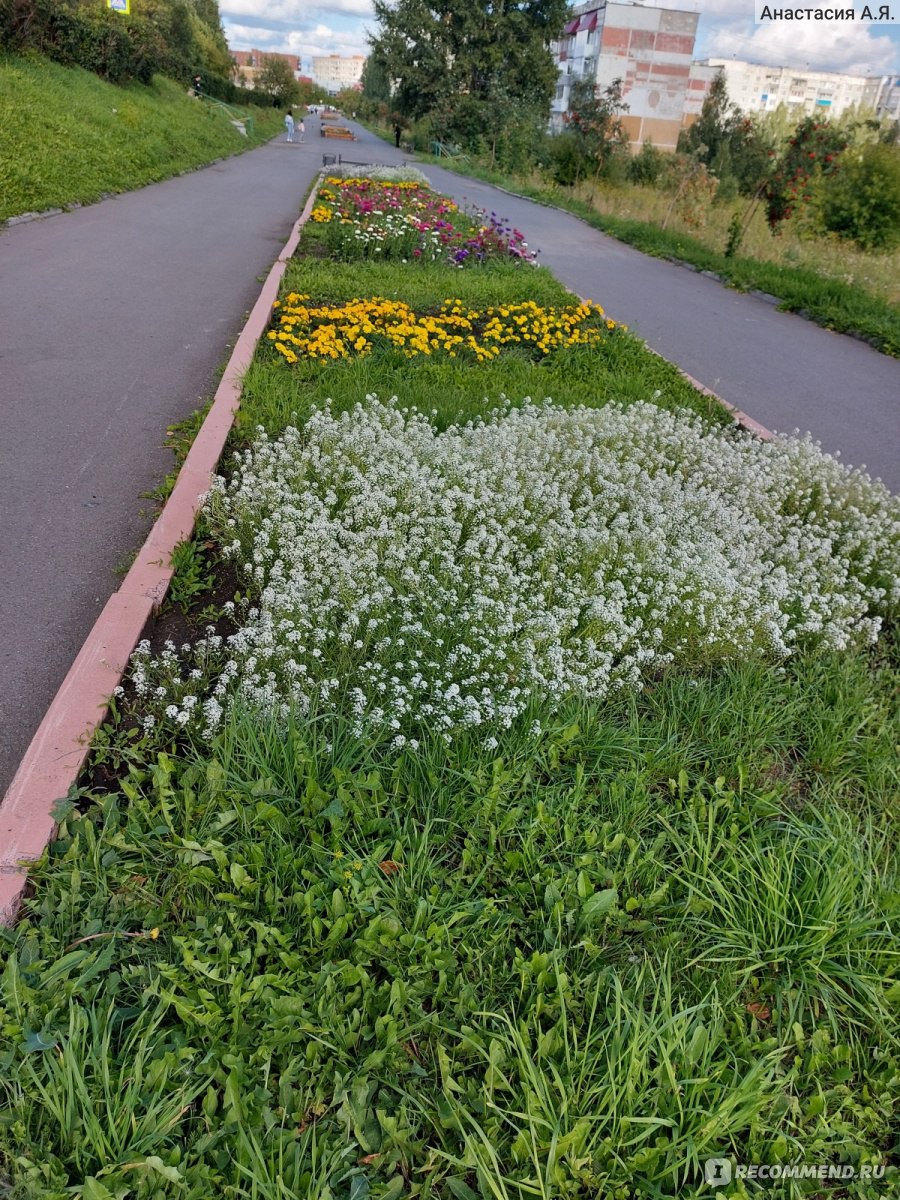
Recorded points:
(572, 945)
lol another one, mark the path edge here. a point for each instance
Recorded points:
(60, 747)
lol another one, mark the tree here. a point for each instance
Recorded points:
(277, 79)
(862, 201)
(457, 61)
(594, 122)
(376, 83)
(813, 152)
(735, 148)
(714, 127)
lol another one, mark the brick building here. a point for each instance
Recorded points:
(249, 63)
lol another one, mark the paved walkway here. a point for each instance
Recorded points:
(114, 322)
(782, 370)
(114, 319)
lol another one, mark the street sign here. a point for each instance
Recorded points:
(122, 6)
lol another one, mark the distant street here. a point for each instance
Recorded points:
(115, 318)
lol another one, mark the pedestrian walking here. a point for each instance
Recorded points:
(302, 128)
(289, 126)
(397, 132)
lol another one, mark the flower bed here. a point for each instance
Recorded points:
(410, 887)
(332, 331)
(366, 218)
(411, 580)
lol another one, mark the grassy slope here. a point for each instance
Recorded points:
(68, 137)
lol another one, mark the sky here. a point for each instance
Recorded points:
(726, 30)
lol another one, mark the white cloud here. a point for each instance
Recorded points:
(726, 30)
(253, 37)
(848, 46)
(304, 42)
(295, 12)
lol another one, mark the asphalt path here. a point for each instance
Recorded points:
(115, 318)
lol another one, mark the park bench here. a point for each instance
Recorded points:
(338, 131)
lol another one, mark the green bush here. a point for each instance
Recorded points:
(648, 166)
(565, 159)
(101, 41)
(173, 39)
(862, 202)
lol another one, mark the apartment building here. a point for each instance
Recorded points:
(651, 50)
(335, 72)
(756, 88)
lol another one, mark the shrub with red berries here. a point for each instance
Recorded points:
(815, 148)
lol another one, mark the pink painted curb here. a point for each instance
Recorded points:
(57, 752)
(59, 749)
(740, 418)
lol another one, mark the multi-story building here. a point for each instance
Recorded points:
(756, 88)
(651, 50)
(249, 63)
(335, 72)
(885, 97)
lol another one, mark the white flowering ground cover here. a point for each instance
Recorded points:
(426, 581)
(528, 829)
(383, 174)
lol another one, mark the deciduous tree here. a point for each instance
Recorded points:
(277, 78)
(461, 60)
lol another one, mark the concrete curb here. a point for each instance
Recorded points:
(59, 748)
(739, 417)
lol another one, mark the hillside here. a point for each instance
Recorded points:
(68, 137)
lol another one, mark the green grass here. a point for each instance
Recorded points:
(812, 291)
(67, 137)
(559, 968)
(622, 370)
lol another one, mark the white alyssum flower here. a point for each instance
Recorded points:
(415, 579)
(381, 174)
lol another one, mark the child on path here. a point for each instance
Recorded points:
(289, 126)
(302, 128)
